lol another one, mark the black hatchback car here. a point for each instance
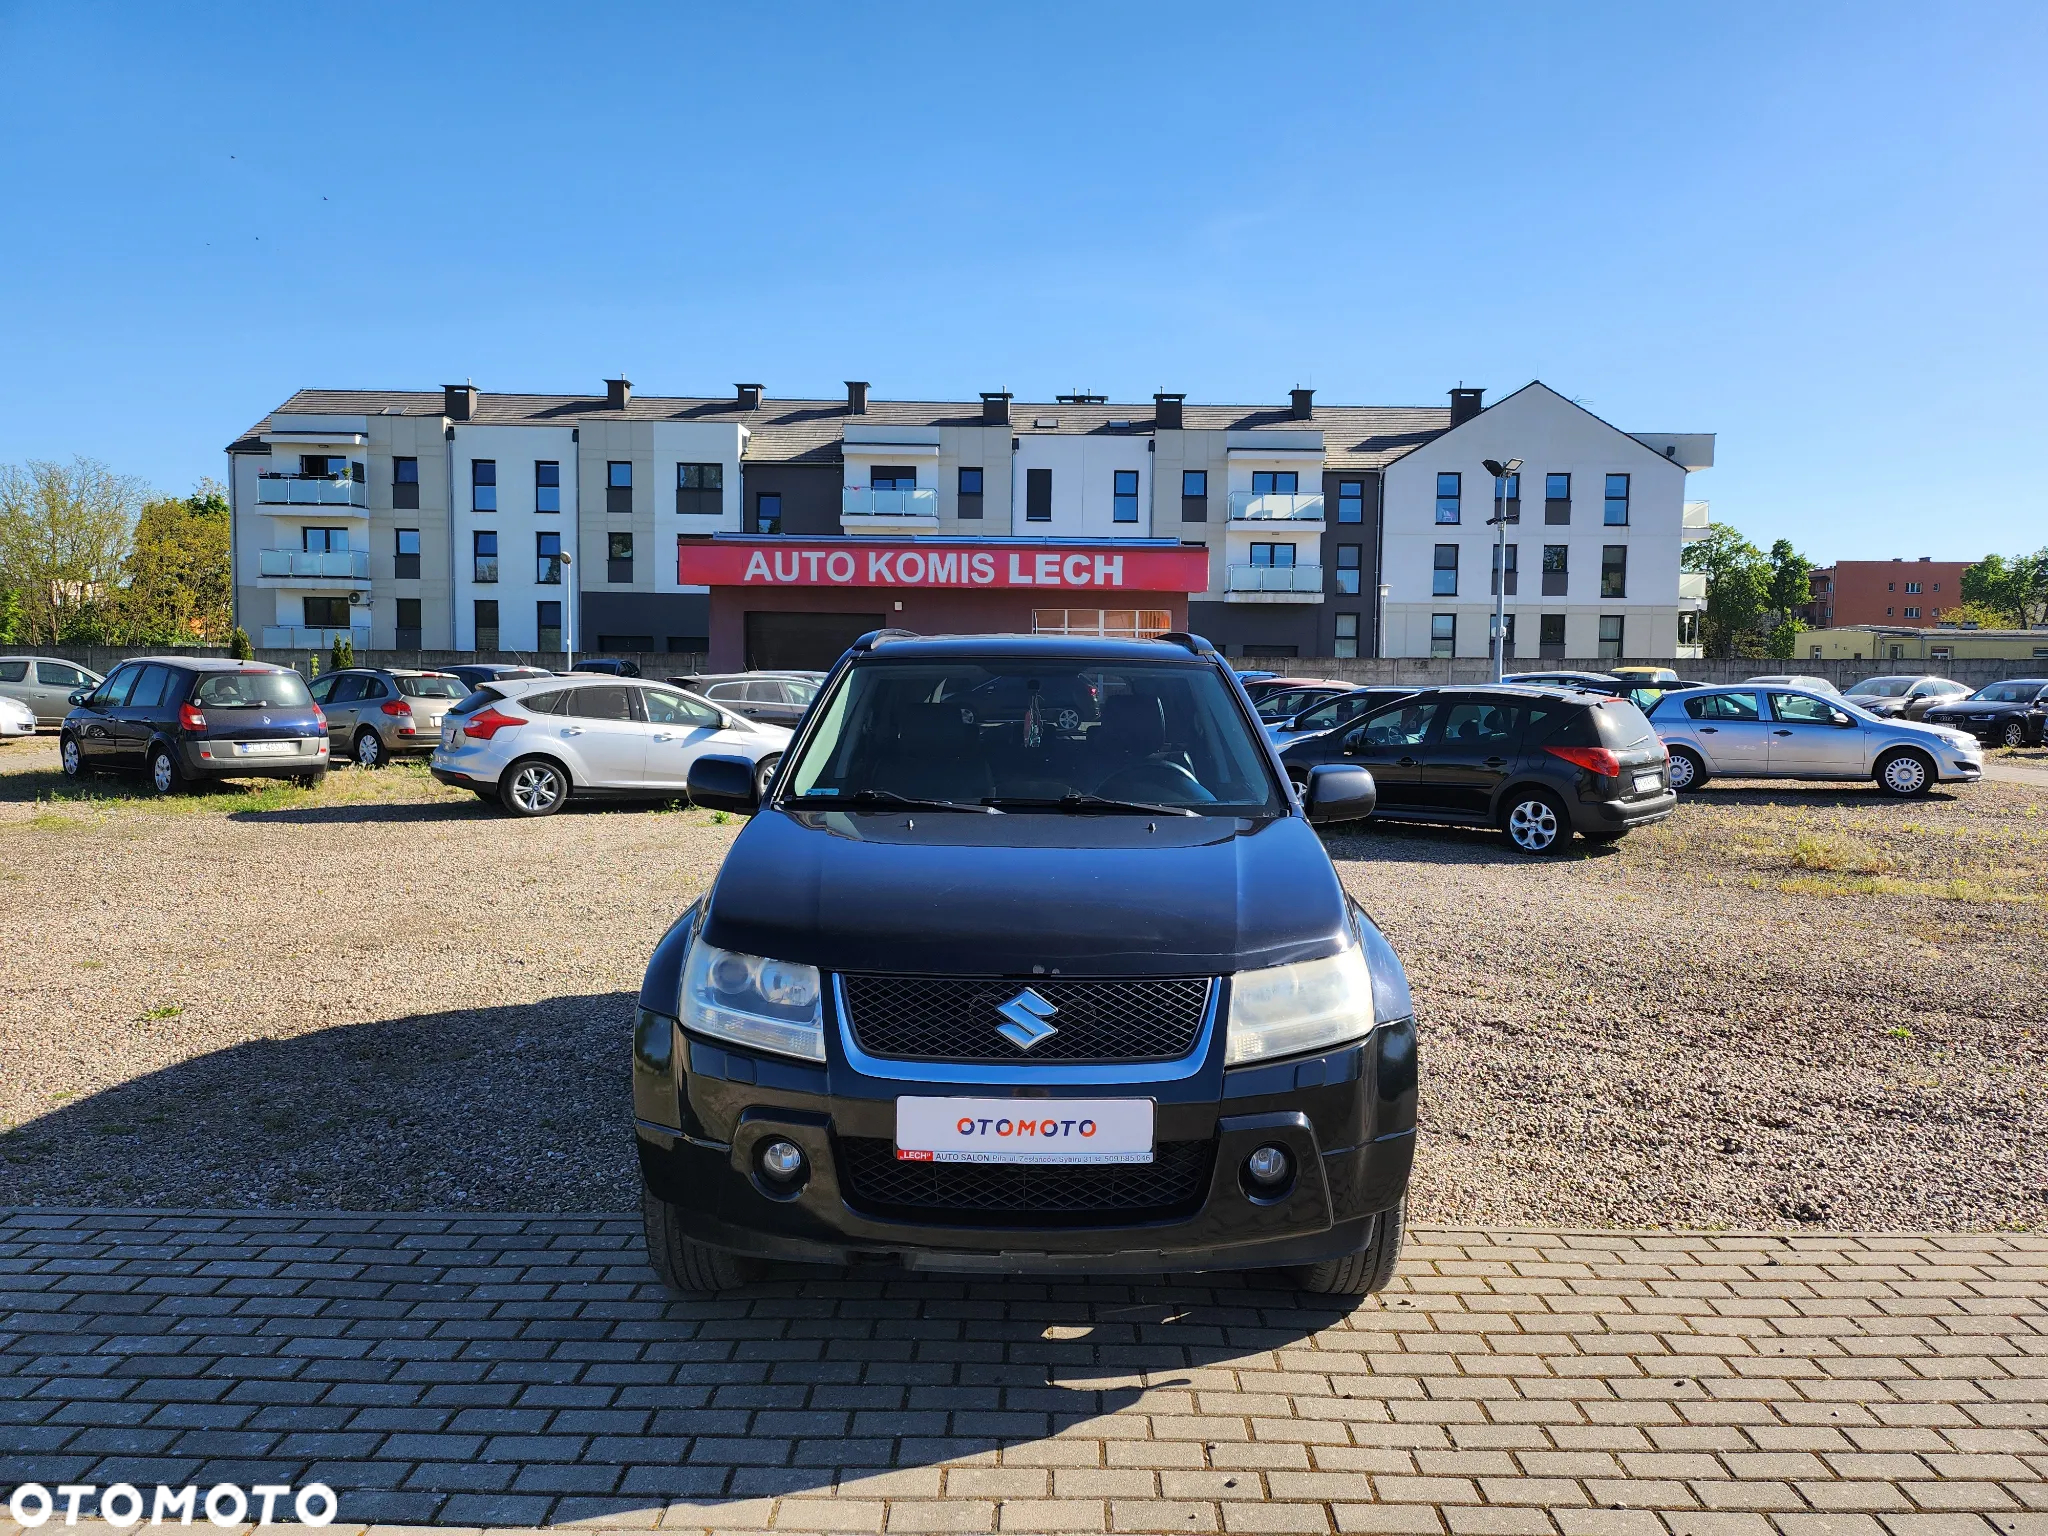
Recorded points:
(1539, 763)
(179, 719)
(2013, 713)
(968, 1000)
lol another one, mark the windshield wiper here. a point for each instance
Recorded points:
(889, 797)
(1077, 802)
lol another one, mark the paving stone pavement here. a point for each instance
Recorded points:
(495, 1371)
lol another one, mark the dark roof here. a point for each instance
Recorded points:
(900, 646)
(809, 431)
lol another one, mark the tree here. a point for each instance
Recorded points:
(239, 647)
(1753, 599)
(341, 654)
(2016, 590)
(179, 588)
(10, 616)
(64, 535)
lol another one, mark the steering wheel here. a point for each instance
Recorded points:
(1168, 783)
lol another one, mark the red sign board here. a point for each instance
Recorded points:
(849, 563)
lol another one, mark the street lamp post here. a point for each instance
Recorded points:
(1499, 520)
(569, 614)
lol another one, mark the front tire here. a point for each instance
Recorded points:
(686, 1266)
(369, 750)
(534, 786)
(1535, 822)
(1904, 774)
(164, 777)
(1687, 771)
(71, 757)
(1368, 1270)
(2014, 734)
(763, 772)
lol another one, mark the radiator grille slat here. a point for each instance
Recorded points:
(1173, 1184)
(953, 1018)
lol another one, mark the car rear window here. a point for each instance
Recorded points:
(476, 701)
(1612, 723)
(252, 690)
(430, 687)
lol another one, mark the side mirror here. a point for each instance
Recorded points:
(723, 783)
(1339, 792)
(78, 696)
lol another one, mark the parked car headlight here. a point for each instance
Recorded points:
(771, 1005)
(1285, 1010)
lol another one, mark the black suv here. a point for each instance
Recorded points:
(2013, 713)
(1539, 763)
(1013, 991)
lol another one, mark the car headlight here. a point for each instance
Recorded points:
(1285, 1010)
(772, 1005)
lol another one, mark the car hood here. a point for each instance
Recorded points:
(1024, 894)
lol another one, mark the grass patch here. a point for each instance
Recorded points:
(162, 1011)
(1820, 850)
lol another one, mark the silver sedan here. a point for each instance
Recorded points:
(1770, 731)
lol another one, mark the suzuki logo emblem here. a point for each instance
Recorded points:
(1027, 1013)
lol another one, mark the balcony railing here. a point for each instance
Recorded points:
(858, 501)
(310, 491)
(547, 570)
(1276, 578)
(1250, 507)
(1692, 584)
(1696, 519)
(298, 637)
(330, 564)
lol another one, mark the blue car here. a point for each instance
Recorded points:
(179, 719)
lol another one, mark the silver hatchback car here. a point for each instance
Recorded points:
(376, 712)
(1769, 731)
(45, 684)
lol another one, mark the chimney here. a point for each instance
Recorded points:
(749, 396)
(995, 407)
(1304, 403)
(1166, 411)
(856, 397)
(617, 392)
(1465, 404)
(458, 401)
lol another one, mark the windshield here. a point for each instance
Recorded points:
(1880, 687)
(431, 687)
(1036, 734)
(2007, 693)
(252, 690)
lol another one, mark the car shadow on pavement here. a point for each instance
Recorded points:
(369, 811)
(1416, 842)
(1817, 794)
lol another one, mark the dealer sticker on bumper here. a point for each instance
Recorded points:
(1024, 1130)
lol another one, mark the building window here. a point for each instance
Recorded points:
(1443, 634)
(1610, 637)
(1508, 623)
(1614, 570)
(1276, 556)
(1550, 635)
(1912, 613)
(1350, 501)
(1689, 627)
(768, 512)
(1557, 499)
(970, 491)
(1275, 482)
(1117, 623)
(405, 559)
(618, 557)
(484, 552)
(1348, 568)
(483, 485)
(1444, 582)
(1891, 586)
(1037, 495)
(405, 485)
(618, 486)
(1123, 506)
(1617, 501)
(1507, 490)
(547, 623)
(700, 489)
(892, 477)
(1512, 552)
(326, 613)
(547, 559)
(1347, 636)
(1556, 570)
(325, 541)
(1888, 613)
(487, 623)
(408, 623)
(1194, 495)
(1912, 586)
(547, 485)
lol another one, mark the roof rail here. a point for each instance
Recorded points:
(1194, 643)
(875, 637)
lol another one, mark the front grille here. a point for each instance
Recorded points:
(1173, 1184)
(951, 1018)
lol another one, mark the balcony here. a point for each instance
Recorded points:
(1692, 586)
(274, 490)
(1250, 507)
(1274, 584)
(298, 637)
(1695, 520)
(867, 511)
(337, 565)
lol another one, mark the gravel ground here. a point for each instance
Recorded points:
(1786, 1005)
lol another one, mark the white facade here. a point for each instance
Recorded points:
(515, 453)
(1589, 617)
(1084, 468)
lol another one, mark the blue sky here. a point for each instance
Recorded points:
(1816, 230)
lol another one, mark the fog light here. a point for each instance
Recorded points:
(782, 1160)
(1267, 1166)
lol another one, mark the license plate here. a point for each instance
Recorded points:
(1024, 1130)
(265, 748)
(1649, 783)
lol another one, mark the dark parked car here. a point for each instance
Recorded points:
(2013, 713)
(1258, 684)
(1331, 713)
(1285, 703)
(478, 673)
(1092, 1006)
(611, 666)
(778, 698)
(1539, 763)
(178, 719)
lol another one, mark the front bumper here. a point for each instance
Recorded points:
(1346, 1117)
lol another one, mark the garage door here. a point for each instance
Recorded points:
(804, 641)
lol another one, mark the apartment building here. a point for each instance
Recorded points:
(769, 532)
(1889, 592)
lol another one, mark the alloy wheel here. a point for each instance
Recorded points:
(73, 763)
(1905, 774)
(369, 750)
(163, 773)
(2015, 733)
(1681, 771)
(1533, 825)
(537, 788)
